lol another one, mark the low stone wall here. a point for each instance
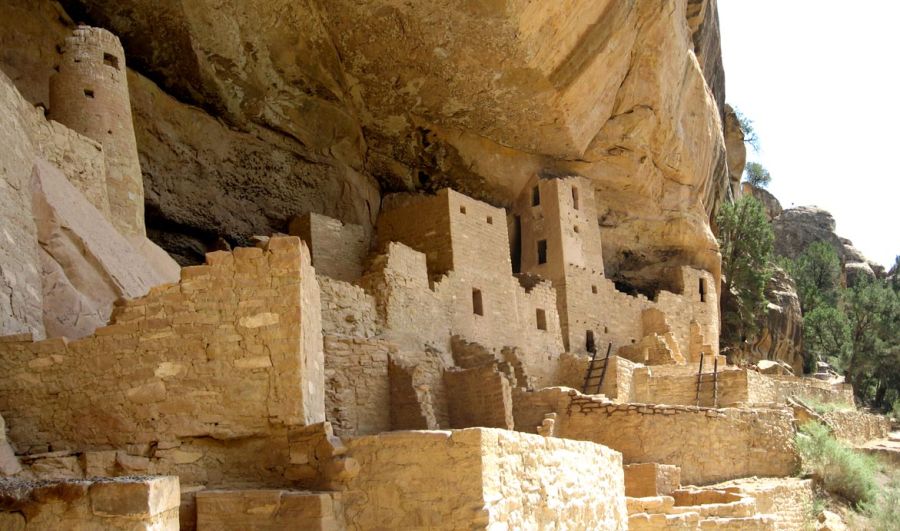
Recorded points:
(617, 383)
(268, 509)
(857, 427)
(482, 479)
(807, 389)
(709, 445)
(789, 500)
(134, 503)
(731, 388)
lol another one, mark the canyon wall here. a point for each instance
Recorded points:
(248, 113)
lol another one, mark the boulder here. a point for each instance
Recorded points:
(86, 263)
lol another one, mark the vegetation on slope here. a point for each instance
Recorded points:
(856, 330)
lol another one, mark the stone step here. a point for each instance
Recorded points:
(760, 522)
(649, 504)
(268, 509)
(654, 522)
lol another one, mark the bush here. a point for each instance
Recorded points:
(827, 407)
(841, 470)
(885, 510)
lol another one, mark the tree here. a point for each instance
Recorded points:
(826, 336)
(757, 175)
(817, 273)
(745, 240)
(746, 124)
(873, 312)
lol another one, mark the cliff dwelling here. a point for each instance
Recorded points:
(231, 299)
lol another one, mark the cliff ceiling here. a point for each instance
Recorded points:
(250, 111)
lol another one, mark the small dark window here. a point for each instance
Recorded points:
(490, 220)
(702, 290)
(576, 229)
(594, 290)
(111, 60)
(575, 197)
(589, 343)
(542, 251)
(462, 210)
(89, 93)
(477, 303)
(605, 329)
(535, 196)
(541, 319)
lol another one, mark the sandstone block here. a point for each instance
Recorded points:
(137, 497)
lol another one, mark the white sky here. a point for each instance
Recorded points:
(820, 80)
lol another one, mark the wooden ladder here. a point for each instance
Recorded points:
(714, 381)
(593, 367)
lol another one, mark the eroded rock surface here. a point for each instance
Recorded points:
(781, 335)
(479, 96)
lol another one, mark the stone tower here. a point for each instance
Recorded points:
(89, 94)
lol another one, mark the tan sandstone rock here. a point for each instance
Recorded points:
(87, 264)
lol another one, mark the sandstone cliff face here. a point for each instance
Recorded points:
(796, 228)
(334, 96)
(205, 179)
(781, 336)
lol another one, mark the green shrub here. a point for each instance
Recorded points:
(827, 407)
(885, 510)
(841, 470)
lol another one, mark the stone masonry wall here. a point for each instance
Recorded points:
(479, 397)
(709, 445)
(89, 94)
(338, 249)
(412, 315)
(674, 389)
(857, 427)
(232, 351)
(357, 389)
(786, 386)
(617, 383)
(347, 310)
(482, 479)
(132, 504)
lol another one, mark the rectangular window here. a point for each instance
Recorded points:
(589, 344)
(575, 197)
(111, 60)
(89, 93)
(490, 220)
(477, 303)
(462, 210)
(702, 290)
(594, 290)
(541, 319)
(542, 251)
(535, 196)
